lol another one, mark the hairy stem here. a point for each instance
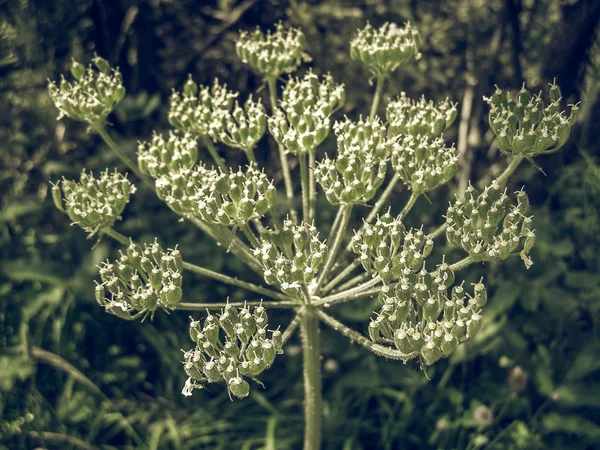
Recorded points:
(311, 351)
(339, 277)
(122, 156)
(461, 264)
(439, 230)
(357, 292)
(409, 204)
(212, 150)
(354, 336)
(344, 212)
(285, 168)
(377, 96)
(250, 156)
(510, 169)
(354, 281)
(289, 331)
(383, 199)
(202, 306)
(251, 236)
(302, 159)
(312, 185)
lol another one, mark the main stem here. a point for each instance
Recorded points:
(377, 96)
(306, 214)
(311, 350)
(285, 168)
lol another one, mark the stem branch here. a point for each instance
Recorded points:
(309, 326)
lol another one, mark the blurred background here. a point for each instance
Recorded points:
(73, 377)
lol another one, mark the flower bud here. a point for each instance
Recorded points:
(239, 387)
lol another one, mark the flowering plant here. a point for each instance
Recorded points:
(425, 311)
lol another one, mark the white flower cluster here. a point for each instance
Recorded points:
(302, 121)
(384, 49)
(91, 96)
(140, 281)
(230, 199)
(360, 168)
(291, 255)
(524, 126)
(272, 54)
(93, 203)
(419, 118)
(161, 156)
(423, 164)
(229, 347)
(474, 224)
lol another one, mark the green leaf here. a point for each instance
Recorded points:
(579, 395)
(543, 371)
(21, 208)
(574, 424)
(14, 368)
(503, 299)
(587, 361)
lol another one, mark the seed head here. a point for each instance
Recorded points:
(419, 118)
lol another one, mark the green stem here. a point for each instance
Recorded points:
(383, 199)
(411, 202)
(345, 211)
(510, 169)
(439, 230)
(302, 159)
(231, 242)
(357, 292)
(311, 351)
(377, 96)
(339, 277)
(115, 148)
(251, 236)
(285, 168)
(116, 236)
(354, 281)
(354, 336)
(461, 264)
(250, 156)
(214, 154)
(289, 331)
(312, 185)
(202, 306)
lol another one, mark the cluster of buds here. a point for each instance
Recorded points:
(140, 281)
(303, 119)
(473, 224)
(421, 318)
(419, 118)
(159, 157)
(384, 49)
(377, 244)
(523, 126)
(93, 203)
(92, 95)
(291, 255)
(274, 53)
(229, 347)
(359, 170)
(241, 127)
(230, 199)
(200, 110)
(423, 164)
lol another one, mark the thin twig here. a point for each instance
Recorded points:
(186, 306)
(357, 292)
(354, 336)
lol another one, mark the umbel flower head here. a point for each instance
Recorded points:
(384, 49)
(301, 123)
(159, 157)
(200, 109)
(377, 244)
(92, 95)
(489, 227)
(272, 54)
(524, 126)
(241, 127)
(422, 163)
(291, 255)
(422, 318)
(93, 203)
(229, 347)
(359, 170)
(230, 199)
(419, 118)
(140, 281)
